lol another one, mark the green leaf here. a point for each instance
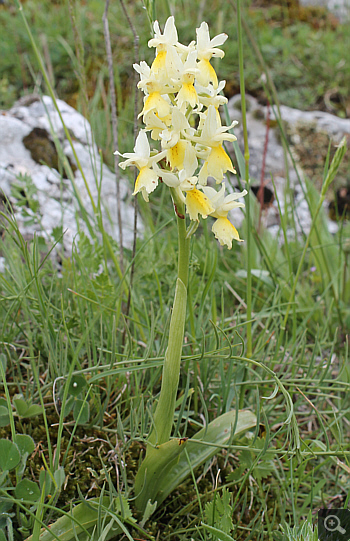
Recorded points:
(163, 470)
(5, 507)
(219, 534)
(218, 511)
(218, 432)
(33, 411)
(20, 405)
(157, 465)
(68, 406)
(59, 477)
(3, 402)
(27, 490)
(45, 481)
(4, 416)
(9, 455)
(81, 411)
(3, 479)
(24, 443)
(25, 409)
(2, 536)
(333, 169)
(77, 385)
(3, 360)
(85, 516)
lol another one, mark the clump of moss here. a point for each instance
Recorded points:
(88, 452)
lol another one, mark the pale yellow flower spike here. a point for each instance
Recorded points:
(198, 203)
(180, 83)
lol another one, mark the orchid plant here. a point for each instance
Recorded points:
(182, 97)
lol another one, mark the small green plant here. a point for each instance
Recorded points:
(24, 191)
(16, 488)
(75, 401)
(304, 532)
(218, 514)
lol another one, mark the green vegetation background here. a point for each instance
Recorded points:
(69, 319)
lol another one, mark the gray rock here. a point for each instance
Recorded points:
(340, 8)
(54, 193)
(276, 165)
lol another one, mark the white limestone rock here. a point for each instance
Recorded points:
(55, 194)
(275, 165)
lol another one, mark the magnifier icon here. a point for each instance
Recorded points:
(332, 524)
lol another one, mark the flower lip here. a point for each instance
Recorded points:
(198, 203)
(225, 232)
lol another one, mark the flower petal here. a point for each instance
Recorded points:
(176, 155)
(156, 102)
(158, 63)
(187, 94)
(225, 232)
(218, 163)
(146, 182)
(198, 203)
(206, 73)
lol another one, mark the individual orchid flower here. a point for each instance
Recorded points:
(206, 49)
(171, 139)
(222, 228)
(187, 94)
(171, 135)
(155, 125)
(185, 181)
(212, 137)
(149, 82)
(144, 71)
(211, 96)
(165, 43)
(198, 203)
(156, 102)
(147, 179)
(169, 36)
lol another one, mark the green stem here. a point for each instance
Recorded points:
(164, 414)
(246, 161)
(248, 209)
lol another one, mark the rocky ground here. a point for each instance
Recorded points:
(34, 180)
(43, 198)
(308, 135)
